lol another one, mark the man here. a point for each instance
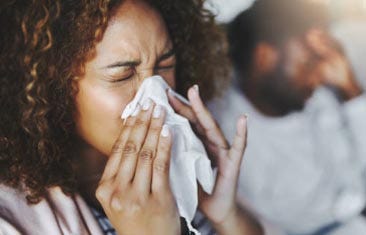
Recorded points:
(304, 168)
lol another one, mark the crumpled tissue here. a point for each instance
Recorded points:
(189, 161)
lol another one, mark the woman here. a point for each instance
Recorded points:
(68, 69)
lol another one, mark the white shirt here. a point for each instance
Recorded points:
(305, 170)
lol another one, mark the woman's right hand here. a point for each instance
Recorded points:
(134, 190)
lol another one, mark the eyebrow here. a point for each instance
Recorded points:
(167, 55)
(132, 63)
(123, 64)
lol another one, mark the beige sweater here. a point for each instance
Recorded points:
(57, 214)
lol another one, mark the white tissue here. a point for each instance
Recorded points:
(189, 162)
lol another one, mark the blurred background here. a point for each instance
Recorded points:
(349, 24)
(302, 83)
(340, 9)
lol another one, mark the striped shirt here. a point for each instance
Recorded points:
(199, 222)
(104, 223)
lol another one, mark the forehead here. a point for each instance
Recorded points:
(135, 24)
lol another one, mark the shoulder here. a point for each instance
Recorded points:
(7, 228)
(59, 210)
(10, 197)
(11, 200)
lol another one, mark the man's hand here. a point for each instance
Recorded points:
(333, 68)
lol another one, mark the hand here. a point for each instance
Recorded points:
(333, 68)
(134, 190)
(220, 207)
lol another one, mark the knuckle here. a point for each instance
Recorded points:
(161, 166)
(129, 148)
(129, 205)
(165, 147)
(117, 148)
(135, 207)
(129, 123)
(116, 203)
(146, 154)
(140, 122)
(102, 193)
(155, 129)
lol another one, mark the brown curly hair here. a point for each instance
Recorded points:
(44, 45)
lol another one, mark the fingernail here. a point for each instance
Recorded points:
(170, 90)
(147, 104)
(165, 131)
(197, 89)
(157, 111)
(136, 112)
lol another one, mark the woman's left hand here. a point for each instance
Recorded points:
(220, 205)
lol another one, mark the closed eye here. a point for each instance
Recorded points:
(119, 74)
(123, 78)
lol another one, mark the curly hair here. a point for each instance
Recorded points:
(44, 45)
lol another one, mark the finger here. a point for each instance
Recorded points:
(229, 168)
(215, 152)
(322, 44)
(104, 193)
(333, 43)
(161, 164)
(237, 149)
(316, 42)
(112, 165)
(181, 108)
(133, 144)
(185, 109)
(205, 119)
(143, 174)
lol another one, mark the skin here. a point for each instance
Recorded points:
(132, 156)
(333, 67)
(290, 74)
(127, 54)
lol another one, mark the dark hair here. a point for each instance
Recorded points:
(273, 22)
(44, 45)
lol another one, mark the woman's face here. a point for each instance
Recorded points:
(135, 45)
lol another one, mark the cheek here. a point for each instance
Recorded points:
(98, 120)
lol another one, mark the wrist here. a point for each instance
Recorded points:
(239, 222)
(228, 222)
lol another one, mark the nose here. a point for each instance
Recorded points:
(141, 76)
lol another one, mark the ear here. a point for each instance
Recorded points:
(266, 58)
